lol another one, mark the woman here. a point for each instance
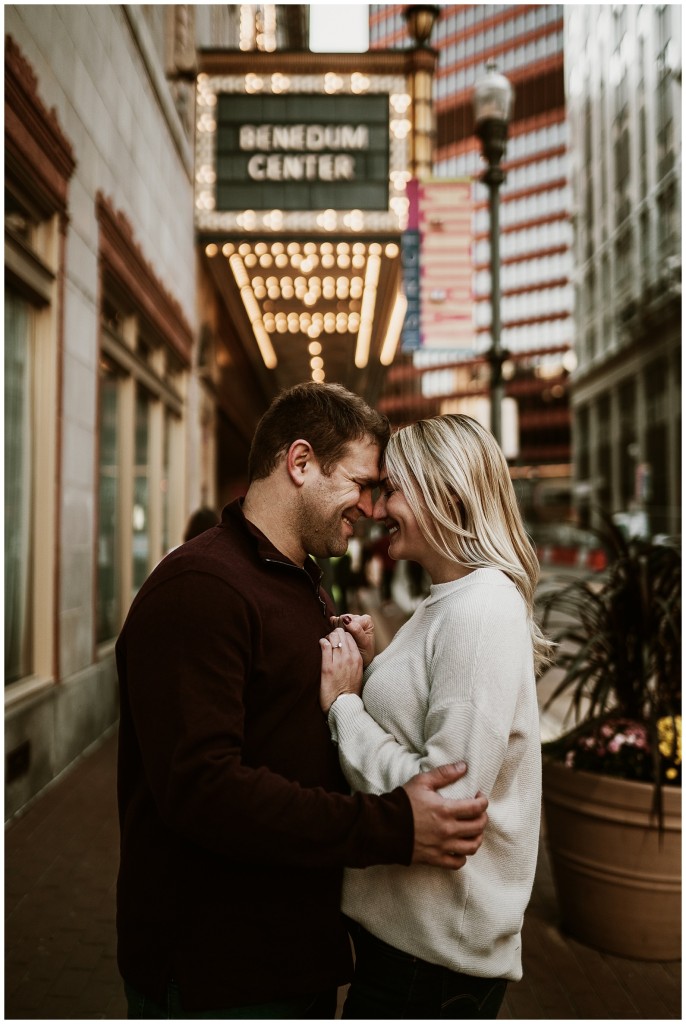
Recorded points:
(456, 683)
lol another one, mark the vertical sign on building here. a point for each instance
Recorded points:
(411, 335)
(446, 288)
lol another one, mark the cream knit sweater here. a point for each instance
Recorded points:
(457, 682)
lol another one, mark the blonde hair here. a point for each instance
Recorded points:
(456, 480)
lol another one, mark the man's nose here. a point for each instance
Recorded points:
(366, 503)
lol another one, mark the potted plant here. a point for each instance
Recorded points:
(612, 781)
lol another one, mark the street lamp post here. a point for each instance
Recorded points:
(420, 20)
(493, 98)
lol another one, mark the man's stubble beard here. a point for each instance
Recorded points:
(322, 536)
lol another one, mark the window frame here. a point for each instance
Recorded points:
(37, 178)
(144, 334)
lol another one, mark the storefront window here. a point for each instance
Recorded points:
(18, 488)
(140, 519)
(165, 484)
(109, 581)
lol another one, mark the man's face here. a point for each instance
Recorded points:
(331, 505)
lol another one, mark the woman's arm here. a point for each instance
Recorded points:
(374, 761)
(472, 691)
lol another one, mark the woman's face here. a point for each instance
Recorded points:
(393, 510)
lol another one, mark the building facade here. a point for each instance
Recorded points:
(537, 305)
(134, 377)
(99, 330)
(109, 429)
(624, 106)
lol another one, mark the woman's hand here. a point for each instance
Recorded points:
(361, 629)
(341, 668)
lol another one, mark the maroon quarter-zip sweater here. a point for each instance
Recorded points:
(234, 815)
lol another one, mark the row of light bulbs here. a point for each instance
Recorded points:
(307, 256)
(357, 83)
(278, 83)
(303, 220)
(313, 326)
(345, 257)
(308, 290)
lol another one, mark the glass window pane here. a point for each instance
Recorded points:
(18, 486)
(141, 491)
(166, 464)
(109, 583)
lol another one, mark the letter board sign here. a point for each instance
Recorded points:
(302, 152)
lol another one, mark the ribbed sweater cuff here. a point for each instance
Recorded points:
(345, 716)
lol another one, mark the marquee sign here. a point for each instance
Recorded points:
(298, 153)
(302, 152)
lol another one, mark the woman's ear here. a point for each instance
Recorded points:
(299, 457)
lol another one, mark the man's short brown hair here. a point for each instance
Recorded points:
(327, 415)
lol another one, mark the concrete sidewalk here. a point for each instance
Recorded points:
(61, 860)
(61, 863)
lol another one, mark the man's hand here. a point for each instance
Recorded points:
(446, 832)
(361, 629)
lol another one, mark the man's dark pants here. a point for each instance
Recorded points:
(319, 1006)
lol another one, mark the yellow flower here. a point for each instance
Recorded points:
(669, 738)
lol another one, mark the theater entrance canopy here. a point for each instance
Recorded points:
(302, 165)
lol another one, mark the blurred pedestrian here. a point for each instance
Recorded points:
(381, 550)
(202, 519)
(380, 566)
(343, 576)
(457, 682)
(235, 818)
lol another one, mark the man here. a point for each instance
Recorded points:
(235, 819)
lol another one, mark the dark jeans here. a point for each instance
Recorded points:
(318, 1006)
(392, 985)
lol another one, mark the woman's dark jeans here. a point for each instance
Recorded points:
(392, 985)
(321, 1006)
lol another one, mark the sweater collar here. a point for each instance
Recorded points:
(233, 512)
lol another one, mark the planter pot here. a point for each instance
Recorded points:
(618, 880)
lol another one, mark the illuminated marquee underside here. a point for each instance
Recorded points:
(321, 293)
(299, 153)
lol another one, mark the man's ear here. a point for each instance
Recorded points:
(299, 457)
